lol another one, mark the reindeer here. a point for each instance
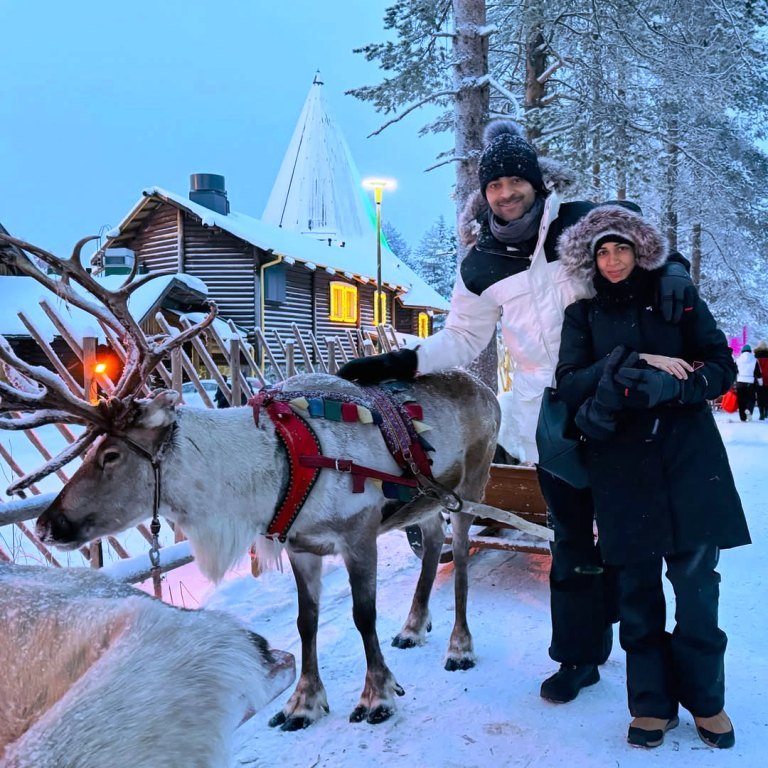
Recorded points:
(98, 673)
(221, 475)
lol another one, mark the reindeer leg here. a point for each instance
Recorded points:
(377, 702)
(418, 623)
(309, 701)
(460, 653)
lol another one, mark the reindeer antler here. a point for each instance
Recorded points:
(142, 355)
(44, 398)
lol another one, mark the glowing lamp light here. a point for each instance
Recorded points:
(378, 185)
(100, 368)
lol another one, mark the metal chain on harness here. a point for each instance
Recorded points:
(154, 529)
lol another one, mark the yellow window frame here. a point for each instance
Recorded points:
(423, 325)
(343, 303)
(380, 316)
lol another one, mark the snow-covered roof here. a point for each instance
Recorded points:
(25, 293)
(318, 190)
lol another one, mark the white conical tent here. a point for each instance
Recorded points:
(318, 189)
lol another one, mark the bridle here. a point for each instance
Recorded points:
(155, 459)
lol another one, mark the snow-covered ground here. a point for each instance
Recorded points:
(492, 715)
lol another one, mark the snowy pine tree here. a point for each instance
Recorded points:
(434, 259)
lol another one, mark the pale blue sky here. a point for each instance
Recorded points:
(102, 99)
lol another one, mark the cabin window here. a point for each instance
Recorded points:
(380, 312)
(274, 284)
(343, 302)
(423, 325)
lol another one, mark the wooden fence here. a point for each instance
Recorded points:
(243, 369)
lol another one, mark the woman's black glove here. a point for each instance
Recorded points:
(677, 293)
(595, 420)
(400, 364)
(647, 387)
(609, 393)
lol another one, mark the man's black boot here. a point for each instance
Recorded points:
(566, 683)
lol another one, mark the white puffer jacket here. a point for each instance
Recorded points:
(530, 307)
(746, 362)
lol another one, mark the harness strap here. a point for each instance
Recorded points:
(399, 433)
(298, 440)
(358, 472)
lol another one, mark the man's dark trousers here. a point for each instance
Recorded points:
(583, 591)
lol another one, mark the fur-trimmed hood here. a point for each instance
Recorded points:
(576, 244)
(556, 177)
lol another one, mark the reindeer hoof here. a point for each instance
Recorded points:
(296, 723)
(403, 641)
(380, 714)
(452, 665)
(277, 719)
(359, 713)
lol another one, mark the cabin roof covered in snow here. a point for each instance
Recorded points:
(25, 294)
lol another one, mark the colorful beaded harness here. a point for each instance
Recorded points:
(400, 425)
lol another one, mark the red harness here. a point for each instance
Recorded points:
(305, 461)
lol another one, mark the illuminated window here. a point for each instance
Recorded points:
(423, 325)
(343, 303)
(380, 317)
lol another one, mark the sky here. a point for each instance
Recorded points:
(490, 716)
(100, 100)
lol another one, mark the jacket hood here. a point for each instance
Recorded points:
(576, 244)
(556, 177)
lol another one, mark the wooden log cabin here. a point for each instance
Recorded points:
(262, 276)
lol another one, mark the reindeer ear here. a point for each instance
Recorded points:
(157, 409)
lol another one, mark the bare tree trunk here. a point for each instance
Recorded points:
(470, 56)
(696, 253)
(535, 65)
(622, 145)
(672, 155)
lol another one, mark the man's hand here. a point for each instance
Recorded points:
(677, 293)
(647, 387)
(400, 364)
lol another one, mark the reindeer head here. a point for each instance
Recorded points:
(34, 395)
(122, 462)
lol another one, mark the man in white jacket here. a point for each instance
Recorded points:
(511, 275)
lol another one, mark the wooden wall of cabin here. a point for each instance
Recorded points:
(297, 308)
(173, 241)
(228, 266)
(156, 244)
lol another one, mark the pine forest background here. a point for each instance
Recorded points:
(662, 102)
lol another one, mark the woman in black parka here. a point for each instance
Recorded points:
(660, 476)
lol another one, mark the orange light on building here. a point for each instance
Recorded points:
(100, 368)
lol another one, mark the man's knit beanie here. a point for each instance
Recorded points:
(507, 153)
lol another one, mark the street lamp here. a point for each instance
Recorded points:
(378, 186)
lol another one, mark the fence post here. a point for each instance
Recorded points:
(331, 344)
(290, 363)
(177, 367)
(234, 370)
(89, 369)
